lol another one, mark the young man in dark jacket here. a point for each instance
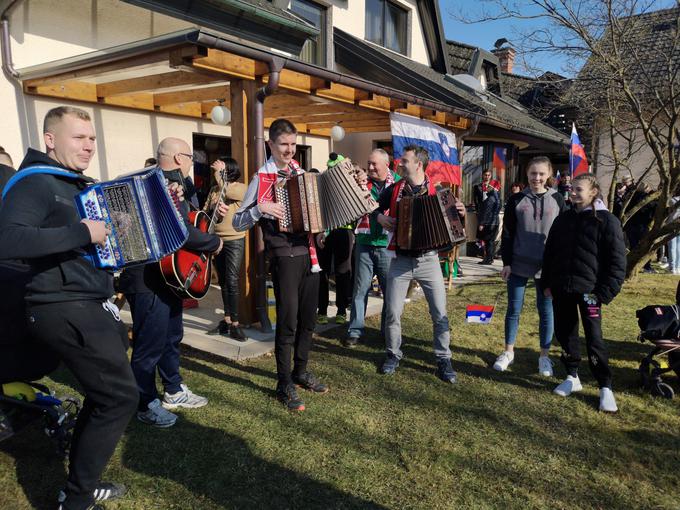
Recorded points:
(294, 270)
(157, 312)
(67, 307)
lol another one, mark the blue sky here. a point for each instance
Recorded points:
(485, 34)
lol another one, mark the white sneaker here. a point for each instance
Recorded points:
(568, 386)
(183, 398)
(157, 416)
(607, 401)
(545, 366)
(504, 361)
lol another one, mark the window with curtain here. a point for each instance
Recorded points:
(386, 25)
(314, 51)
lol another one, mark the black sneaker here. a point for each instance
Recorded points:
(350, 341)
(222, 328)
(93, 507)
(237, 333)
(287, 394)
(309, 382)
(105, 491)
(445, 371)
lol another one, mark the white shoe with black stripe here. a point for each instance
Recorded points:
(105, 491)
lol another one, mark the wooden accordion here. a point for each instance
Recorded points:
(145, 223)
(317, 202)
(429, 222)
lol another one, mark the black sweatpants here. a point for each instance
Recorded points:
(338, 248)
(566, 308)
(296, 290)
(92, 344)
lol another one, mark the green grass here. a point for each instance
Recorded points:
(407, 441)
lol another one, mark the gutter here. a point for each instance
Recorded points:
(7, 61)
(275, 65)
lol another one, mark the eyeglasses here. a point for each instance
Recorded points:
(190, 156)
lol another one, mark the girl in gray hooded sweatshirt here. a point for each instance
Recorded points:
(528, 217)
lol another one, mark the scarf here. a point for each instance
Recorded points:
(364, 224)
(397, 193)
(268, 176)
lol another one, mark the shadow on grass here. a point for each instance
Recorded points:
(222, 468)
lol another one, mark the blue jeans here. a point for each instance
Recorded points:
(674, 253)
(368, 260)
(516, 287)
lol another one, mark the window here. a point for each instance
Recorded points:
(314, 51)
(386, 25)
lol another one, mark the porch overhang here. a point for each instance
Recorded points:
(187, 73)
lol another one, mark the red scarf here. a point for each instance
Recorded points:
(364, 223)
(268, 175)
(397, 193)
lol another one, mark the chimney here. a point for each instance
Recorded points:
(506, 58)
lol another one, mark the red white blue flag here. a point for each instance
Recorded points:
(499, 159)
(440, 143)
(479, 314)
(578, 163)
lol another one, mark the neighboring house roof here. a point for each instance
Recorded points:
(381, 65)
(259, 21)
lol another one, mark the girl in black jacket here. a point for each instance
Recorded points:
(584, 265)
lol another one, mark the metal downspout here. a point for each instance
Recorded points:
(261, 306)
(7, 63)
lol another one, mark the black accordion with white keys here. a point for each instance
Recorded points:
(145, 222)
(324, 201)
(429, 222)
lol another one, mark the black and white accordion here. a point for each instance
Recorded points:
(429, 222)
(145, 222)
(324, 201)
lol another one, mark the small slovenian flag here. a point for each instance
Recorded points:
(478, 314)
(578, 163)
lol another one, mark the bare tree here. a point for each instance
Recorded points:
(626, 59)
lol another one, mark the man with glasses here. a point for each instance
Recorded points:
(157, 312)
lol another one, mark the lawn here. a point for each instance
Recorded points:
(405, 441)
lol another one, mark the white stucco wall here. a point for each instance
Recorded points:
(47, 30)
(358, 146)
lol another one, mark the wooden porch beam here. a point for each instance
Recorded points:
(191, 95)
(232, 65)
(344, 94)
(299, 82)
(150, 83)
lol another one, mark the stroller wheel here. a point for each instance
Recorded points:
(662, 389)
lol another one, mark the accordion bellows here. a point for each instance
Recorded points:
(324, 201)
(145, 223)
(429, 222)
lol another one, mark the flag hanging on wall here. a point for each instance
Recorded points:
(440, 143)
(499, 159)
(578, 163)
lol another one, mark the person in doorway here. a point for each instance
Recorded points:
(228, 261)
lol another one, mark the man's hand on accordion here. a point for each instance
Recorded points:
(176, 191)
(273, 209)
(387, 223)
(460, 207)
(98, 231)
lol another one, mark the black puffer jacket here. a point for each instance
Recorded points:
(585, 254)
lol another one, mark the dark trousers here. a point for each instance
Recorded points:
(566, 308)
(296, 290)
(228, 265)
(338, 248)
(488, 238)
(21, 357)
(157, 331)
(92, 345)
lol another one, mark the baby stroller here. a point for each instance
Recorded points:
(660, 325)
(22, 403)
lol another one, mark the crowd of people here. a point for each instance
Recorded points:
(574, 253)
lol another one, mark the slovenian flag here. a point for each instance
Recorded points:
(479, 314)
(499, 159)
(578, 163)
(440, 143)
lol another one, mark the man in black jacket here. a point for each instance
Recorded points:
(157, 312)
(67, 308)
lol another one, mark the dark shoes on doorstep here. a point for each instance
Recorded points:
(229, 331)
